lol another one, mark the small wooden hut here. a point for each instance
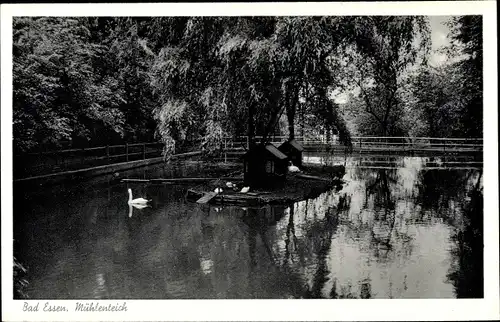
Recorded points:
(264, 165)
(293, 150)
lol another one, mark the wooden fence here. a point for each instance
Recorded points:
(421, 146)
(45, 162)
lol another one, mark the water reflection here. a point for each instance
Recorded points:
(136, 206)
(466, 273)
(399, 232)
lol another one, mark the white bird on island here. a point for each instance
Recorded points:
(292, 168)
(245, 189)
(137, 201)
(229, 184)
(218, 190)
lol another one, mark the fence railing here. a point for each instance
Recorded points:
(236, 146)
(45, 162)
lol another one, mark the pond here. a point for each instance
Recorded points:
(399, 228)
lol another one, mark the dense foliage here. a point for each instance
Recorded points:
(415, 98)
(77, 80)
(195, 80)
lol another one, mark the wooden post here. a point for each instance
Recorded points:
(126, 150)
(248, 143)
(144, 151)
(107, 152)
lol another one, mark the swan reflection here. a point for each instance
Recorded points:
(137, 206)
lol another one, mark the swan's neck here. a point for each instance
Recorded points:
(130, 196)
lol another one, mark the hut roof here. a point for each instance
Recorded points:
(294, 144)
(269, 148)
(274, 150)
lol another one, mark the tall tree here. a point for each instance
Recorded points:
(58, 96)
(186, 80)
(447, 99)
(130, 60)
(308, 44)
(381, 52)
(467, 37)
(436, 105)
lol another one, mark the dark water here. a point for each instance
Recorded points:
(401, 230)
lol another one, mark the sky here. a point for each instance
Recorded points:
(439, 38)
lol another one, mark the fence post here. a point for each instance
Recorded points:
(107, 152)
(360, 144)
(248, 143)
(126, 150)
(144, 151)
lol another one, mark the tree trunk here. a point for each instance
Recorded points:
(276, 112)
(251, 125)
(290, 113)
(291, 107)
(303, 119)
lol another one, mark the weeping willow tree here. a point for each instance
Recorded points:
(308, 43)
(184, 80)
(231, 75)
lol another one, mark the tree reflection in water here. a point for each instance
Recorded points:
(291, 239)
(322, 232)
(281, 281)
(467, 275)
(384, 214)
(405, 219)
(458, 198)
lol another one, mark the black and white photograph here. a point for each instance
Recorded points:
(295, 157)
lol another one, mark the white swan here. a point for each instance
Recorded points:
(245, 189)
(218, 190)
(229, 184)
(292, 168)
(137, 201)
